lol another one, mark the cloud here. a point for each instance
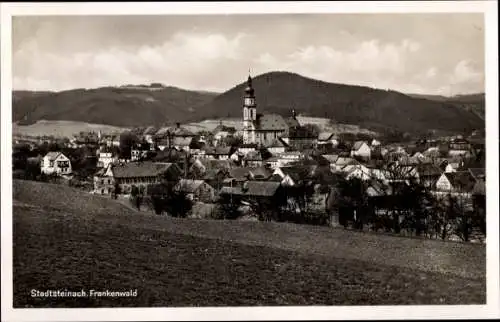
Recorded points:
(409, 53)
(371, 63)
(185, 60)
(386, 65)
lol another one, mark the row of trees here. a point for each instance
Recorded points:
(411, 208)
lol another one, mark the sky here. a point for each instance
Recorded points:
(438, 53)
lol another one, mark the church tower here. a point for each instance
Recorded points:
(249, 113)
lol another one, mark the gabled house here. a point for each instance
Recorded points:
(359, 171)
(458, 182)
(341, 162)
(56, 163)
(277, 147)
(327, 139)
(196, 190)
(104, 182)
(361, 149)
(292, 175)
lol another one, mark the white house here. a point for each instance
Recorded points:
(246, 148)
(289, 157)
(375, 143)
(56, 163)
(105, 159)
(361, 149)
(459, 182)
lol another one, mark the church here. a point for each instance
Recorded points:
(263, 129)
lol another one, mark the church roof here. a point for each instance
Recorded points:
(271, 122)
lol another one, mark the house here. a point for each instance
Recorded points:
(428, 174)
(219, 153)
(361, 149)
(432, 153)
(300, 138)
(359, 171)
(246, 148)
(341, 162)
(196, 190)
(272, 162)
(277, 147)
(327, 139)
(253, 159)
(104, 183)
(256, 191)
(56, 163)
(182, 143)
(290, 157)
(105, 158)
(201, 168)
(375, 143)
(137, 154)
(458, 182)
(142, 174)
(292, 175)
(331, 159)
(222, 132)
(459, 144)
(452, 167)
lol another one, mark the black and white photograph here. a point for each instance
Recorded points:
(260, 158)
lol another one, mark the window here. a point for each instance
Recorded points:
(51, 163)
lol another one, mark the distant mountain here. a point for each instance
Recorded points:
(280, 92)
(277, 92)
(131, 105)
(474, 103)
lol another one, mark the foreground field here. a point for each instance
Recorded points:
(64, 239)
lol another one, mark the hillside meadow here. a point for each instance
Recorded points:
(66, 239)
(62, 128)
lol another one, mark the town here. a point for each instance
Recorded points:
(276, 169)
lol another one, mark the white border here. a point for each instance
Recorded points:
(491, 310)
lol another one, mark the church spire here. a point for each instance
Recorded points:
(249, 89)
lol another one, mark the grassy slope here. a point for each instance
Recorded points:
(92, 242)
(62, 128)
